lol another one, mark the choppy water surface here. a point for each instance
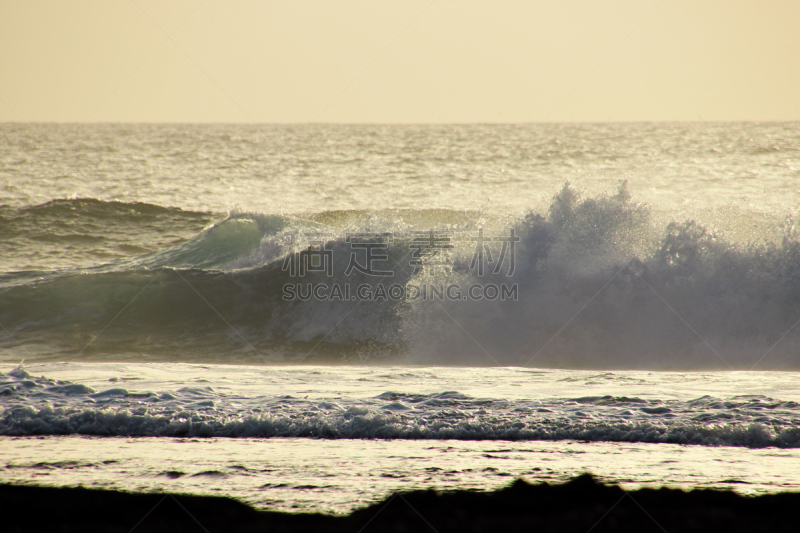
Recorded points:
(299, 169)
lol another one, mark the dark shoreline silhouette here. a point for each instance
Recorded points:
(580, 505)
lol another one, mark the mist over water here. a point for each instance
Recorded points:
(601, 285)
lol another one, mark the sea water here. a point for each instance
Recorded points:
(313, 317)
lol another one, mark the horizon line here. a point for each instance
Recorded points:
(475, 123)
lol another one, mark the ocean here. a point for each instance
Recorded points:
(309, 318)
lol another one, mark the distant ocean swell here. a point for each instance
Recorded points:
(42, 406)
(599, 286)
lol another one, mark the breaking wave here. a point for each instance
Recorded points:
(598, 284)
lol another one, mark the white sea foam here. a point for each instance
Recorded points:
(43, 406)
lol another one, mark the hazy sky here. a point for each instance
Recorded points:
(399, 61)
